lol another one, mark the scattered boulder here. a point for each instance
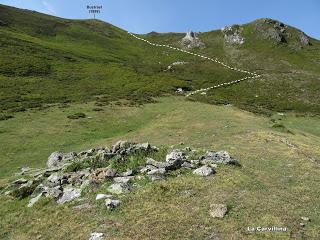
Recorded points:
(69, 194)
(111, 204)
(204, 171)
(96, 236)
(218, 210)
(119, 188)
(191, 40)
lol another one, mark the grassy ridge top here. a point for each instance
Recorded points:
(47, 60)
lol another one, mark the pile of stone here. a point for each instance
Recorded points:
(65, 184)
(232, 34)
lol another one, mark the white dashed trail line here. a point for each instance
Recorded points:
(252, 75)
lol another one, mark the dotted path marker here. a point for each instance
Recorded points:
(252, 75)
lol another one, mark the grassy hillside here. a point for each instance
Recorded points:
(276, 185)
(47, 60)
(70, 85)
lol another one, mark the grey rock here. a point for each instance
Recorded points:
(34, 200)
(218, 210)
(96, 236)
(57, 158)
(103, 196)
(112, 203)
(69, 195)
(176, 155)
(119, 188)
(220, 157)
(204, 171)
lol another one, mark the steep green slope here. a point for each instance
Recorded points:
(47, 60)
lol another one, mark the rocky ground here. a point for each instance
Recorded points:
(69, 174)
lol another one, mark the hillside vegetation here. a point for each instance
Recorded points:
(46, 60)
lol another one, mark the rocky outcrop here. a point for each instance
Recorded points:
(191, 40)
(232, 34)
(280, 32)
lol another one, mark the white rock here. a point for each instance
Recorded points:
(96, 236)
(102, 196)
(218, 210)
